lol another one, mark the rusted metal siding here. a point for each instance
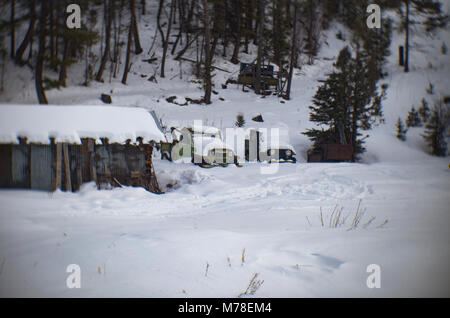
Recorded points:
(331, 153)
(35, 166)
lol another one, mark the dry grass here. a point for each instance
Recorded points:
(253, 286)
(337, 219)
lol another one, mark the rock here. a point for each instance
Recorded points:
(171, 99)
(153, 79)
(193, 101)
(106, 98)
(258, 119)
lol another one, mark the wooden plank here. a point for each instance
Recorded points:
(57, 167)
(6, 167)
(68, 182)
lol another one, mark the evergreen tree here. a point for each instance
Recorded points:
(436, 130)
(424, 111)
(413, 119)
(401, 130)
(347, 102)
(376, 43)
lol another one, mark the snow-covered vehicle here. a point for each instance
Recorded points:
(279, 154)
(280, 150)
(202, 145)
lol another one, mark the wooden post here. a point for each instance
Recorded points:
(68, 182)
(93, 170)
(57, 166)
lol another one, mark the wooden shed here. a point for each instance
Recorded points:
(62, 147)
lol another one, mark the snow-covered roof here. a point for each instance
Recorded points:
(70, 123)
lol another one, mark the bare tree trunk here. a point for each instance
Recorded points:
(42, 99)
(248, 23)
(63, 68)
(181, 26)
(143, 7)
(158, 21)
(260, 46)
(28, 36)
(137, 43)
(166, 40)
(52, 35)
(127, 59)
(13, 27)
(406, 68)
(208, 59)
(293, 53)
(117, 49)
(105, 57)
(237, 40)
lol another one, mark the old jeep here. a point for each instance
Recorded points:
(202, 145)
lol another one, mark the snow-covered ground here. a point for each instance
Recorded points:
(215, 228)
(131, 243)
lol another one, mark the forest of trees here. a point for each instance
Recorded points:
(34, 34)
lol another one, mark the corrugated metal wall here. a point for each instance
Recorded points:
(20, 166)
(42, 167)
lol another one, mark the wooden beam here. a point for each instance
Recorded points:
(68, 182)
(57, 166)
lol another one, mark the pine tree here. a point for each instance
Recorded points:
(424, 111)
(347, 102)
(436, 130)
(413, 119)
(401, 130)
(240, 121)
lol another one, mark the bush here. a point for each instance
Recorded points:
(240, 121)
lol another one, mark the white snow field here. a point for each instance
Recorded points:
(215, 228)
